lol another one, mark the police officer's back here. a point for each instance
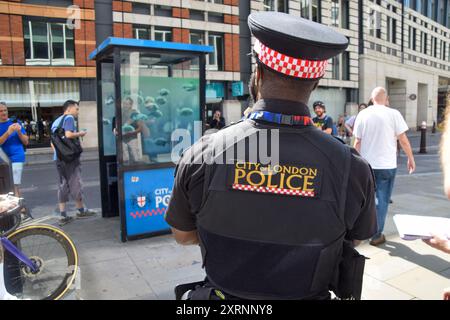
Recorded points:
(275, 230)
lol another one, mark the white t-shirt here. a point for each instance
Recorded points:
(378, 127)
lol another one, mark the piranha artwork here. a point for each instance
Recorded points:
(190, 86)
(161, 100)
(164, 92)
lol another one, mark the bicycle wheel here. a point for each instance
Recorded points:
(56, 257)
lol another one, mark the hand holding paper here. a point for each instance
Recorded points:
(439, 242)
(411, 227)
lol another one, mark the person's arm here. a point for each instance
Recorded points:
(328, 125)
(357, 145)
(6, 135)
(349, 130)
(22, 135)
(185, 198)
(74, 135)
(185, 238)
(143, 129)
(360, 213)
(69, 128)
(445, 153)
(439, 242)
(406, 146)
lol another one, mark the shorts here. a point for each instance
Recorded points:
(17, 169)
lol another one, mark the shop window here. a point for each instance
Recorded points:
(48, 43)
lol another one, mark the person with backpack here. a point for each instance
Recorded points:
(323, 121)
(69, 168)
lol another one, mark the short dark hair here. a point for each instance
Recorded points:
(69, 103)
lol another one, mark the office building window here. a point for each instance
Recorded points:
(163, 34)
(197, 37)
(375, 23)
(197, 15)
(48, 43)
(340, 13)
(443, 49)
(215, 59)
(142, 32)
(412, 38)
(424, 42)
(165, 11)
(215, 17)
(335, 68)
(391, 34)
(310, 9)
(435, 45)
(276, 5)
(215, 1)
(346, 66)
(340, 67)
(141, 8)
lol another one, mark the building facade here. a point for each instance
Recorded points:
(44, 48)
(339, 87)
(405, 46)
(207, 22)
(43, 62)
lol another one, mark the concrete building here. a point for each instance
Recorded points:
(43, 61)
(405, 46)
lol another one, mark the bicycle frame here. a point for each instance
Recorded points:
(11, 248)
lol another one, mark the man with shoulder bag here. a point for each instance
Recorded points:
(65, 142)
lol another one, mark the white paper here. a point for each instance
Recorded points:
(412, 227)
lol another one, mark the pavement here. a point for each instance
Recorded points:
(151, 268)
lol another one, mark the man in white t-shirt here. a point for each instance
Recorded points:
(376, 130)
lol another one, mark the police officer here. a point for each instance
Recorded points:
(275, 229)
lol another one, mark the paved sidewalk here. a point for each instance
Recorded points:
(151, 268)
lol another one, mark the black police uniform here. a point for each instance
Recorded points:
(274, 231)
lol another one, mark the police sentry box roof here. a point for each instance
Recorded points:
(150, 99)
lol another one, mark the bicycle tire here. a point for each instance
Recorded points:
(66, 244)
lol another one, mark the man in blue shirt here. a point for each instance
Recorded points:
(70, 183)
(13, 138)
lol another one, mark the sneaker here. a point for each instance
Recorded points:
(85, 214)
(65, 220)
(378, 241)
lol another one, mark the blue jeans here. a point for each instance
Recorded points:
(384, 179)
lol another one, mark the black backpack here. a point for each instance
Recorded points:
(67, 150)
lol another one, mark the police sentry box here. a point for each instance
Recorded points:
(150, 99)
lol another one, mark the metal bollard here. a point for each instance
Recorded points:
(423, 137)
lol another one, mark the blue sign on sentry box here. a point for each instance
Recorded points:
(147, 195)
